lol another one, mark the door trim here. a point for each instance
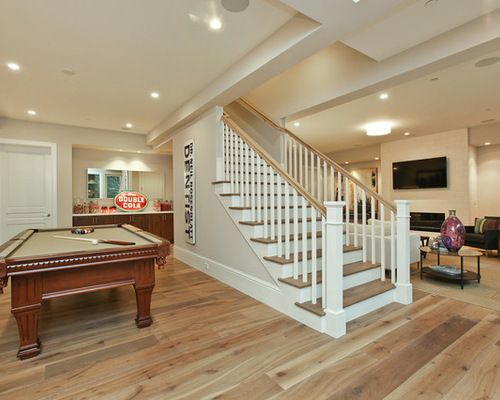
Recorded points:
(53, 155)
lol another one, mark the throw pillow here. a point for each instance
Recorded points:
(479, 225)
(490, 225)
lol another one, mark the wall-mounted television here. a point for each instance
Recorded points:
(420, 174)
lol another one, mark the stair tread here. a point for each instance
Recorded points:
(349, 269)
(272, 241)
(257, 223)
(352, 296)
(283, 260)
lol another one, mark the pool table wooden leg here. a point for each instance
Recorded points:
(144, 285)
(26, 303)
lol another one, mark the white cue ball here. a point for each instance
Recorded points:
(95, 241)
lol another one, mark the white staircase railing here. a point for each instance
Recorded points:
(288, 202)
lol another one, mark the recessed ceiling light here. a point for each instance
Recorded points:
(486, 62)
(346, 162)
(68, 71)
(215, 24)
(235, 5)
(379, 128)
(297, 123)
(355, 1)
(129, 125)
(383, 96)
(487, 143)
(377, 158)
(31, 112)
(407, 133)
(155, 95)
(13, 66)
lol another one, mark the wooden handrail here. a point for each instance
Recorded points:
(336, 166)
(270, 161)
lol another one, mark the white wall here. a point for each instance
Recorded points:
(66, 137)
(452, 144)
(86, 158)
(488, 180)
(217, 238)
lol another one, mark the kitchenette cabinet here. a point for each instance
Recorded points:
(158, 223)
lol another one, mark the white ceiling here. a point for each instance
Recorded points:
(414, 22)
(463, 96)
(121, 50)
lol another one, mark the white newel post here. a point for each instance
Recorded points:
(335, 318)
(404, 293)
(219, 144)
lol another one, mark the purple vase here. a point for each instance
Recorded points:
(453, 232)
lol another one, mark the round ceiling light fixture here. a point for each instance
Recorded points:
(235, 5)
(486, 62)
(13, 66)
(296, 123)
(380, 128)
(31, 112)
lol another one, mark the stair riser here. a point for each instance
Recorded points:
(369, 305)
(246, 215)
(258, 230)
(303, 295)
(272, 248)
(286, 270)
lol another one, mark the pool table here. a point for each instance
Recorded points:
(42, 266)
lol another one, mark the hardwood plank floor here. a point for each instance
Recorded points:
(209, 341)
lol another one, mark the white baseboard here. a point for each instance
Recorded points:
(256, 288)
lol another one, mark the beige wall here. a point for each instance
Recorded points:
(452, 144)
(217, 237)
(488, 180)
(66, 137)
(86, 158)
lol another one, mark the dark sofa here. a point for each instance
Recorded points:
(488, 240)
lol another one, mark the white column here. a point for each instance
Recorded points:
(404, 292)
(335, 318)
(220, 144)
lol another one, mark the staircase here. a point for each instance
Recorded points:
(305, 217)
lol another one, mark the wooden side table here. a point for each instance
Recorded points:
(464, 275)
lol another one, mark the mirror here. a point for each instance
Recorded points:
(107, 183)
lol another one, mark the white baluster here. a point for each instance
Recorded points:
(287, 220)
(304, 240)
(332, 184)
(372, 206)
(265, 199)
(252, 185)
(243, 174)
(347, 216)
(295, 173)
(259, 189)
(393, 249)
(227, 154)
(306, 169)
(323, 260)
(382, 241)
(272, 202)
(295, 235)
(356, 240)
(237, 163)
(247, 163)
(314, 260)
(312, 174)
(363, 222)
(301, 167)
(325, 181)
(231, 160)
(279, 219)
(285, 151)
(318, 176)
(339, 186)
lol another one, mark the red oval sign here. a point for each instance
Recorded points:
(131, 201)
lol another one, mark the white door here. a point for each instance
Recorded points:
(27, 183)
